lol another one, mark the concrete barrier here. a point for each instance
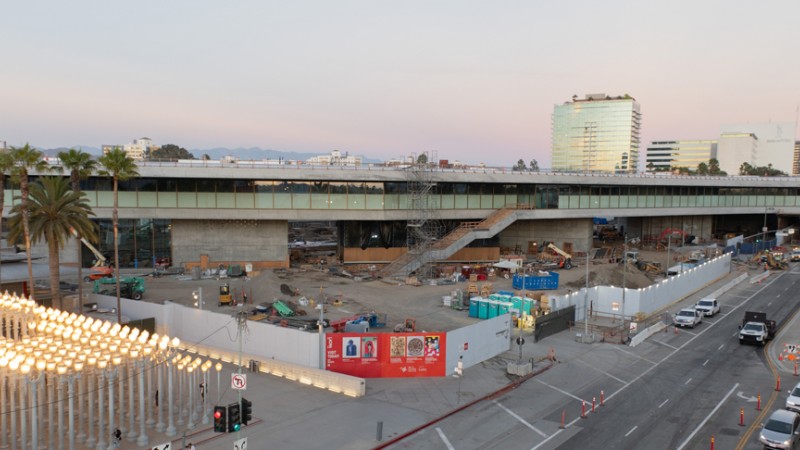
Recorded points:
(332, 381)
(646, 333)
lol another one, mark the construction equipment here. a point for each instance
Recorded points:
(224, 294)
(100, 260)
(408, 326)
(567, 262)
(98, 273)
(129, 287)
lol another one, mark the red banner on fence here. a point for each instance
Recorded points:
(383, 355)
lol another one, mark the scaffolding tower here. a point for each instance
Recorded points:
(423, 227)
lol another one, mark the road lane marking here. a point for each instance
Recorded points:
(617, 347)
(690, 332)
(444, 439)
(704, 364)
(769, 304)
(687, 381)
(561, 390)
(632, 429)
(713, 411)
(664, 344)
(650, 369)
(602, 371)
(663, 403)
(524, 422)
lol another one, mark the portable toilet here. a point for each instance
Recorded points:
(516, 304)
(483, 308)
(473, 306)
(503, 308)
(493, 304)
(527, 302)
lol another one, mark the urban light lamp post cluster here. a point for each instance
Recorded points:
(63, 380)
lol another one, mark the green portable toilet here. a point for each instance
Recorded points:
(516, 303)
(493, 304)
(503, 308)
(526, 305)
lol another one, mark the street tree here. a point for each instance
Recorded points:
(5, 167)
(81, 165)
(534, 167)
(170, 152)
(117, 165)
(520, 166)
(24, 160)
(55, 210)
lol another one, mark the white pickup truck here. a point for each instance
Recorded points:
(688, 317)
(707, 306)
(756, 328)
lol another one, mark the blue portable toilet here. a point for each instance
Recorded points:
(526, 305)
(493, 308)
(473, 306)
(516, 303)
(483, 308)
(503, 308)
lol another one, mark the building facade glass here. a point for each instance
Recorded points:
(596, 134)
(663, 156)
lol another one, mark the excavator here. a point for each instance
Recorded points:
(567, 262)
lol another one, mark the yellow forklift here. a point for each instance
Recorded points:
(224, 294)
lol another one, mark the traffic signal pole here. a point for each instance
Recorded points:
(241, 318)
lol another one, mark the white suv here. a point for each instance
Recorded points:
(688, 317)
(707, 306)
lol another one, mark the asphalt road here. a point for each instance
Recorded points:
(675, 391)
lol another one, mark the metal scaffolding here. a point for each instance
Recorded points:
(423, 226)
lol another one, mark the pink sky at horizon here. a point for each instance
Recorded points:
(473, 81)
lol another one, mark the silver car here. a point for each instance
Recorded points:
(781, 430)
(793, 400)
(688, 317)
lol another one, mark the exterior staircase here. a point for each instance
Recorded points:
(452, 242)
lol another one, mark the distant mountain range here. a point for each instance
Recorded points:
(252, 153)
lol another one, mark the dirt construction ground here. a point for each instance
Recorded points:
(345, 296)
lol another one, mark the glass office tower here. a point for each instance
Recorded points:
(596, 134)
(663, 156)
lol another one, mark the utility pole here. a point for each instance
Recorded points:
(241, 319)
(586, 301)
(624, 281)
(321, 325)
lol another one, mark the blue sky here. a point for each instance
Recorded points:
(474, 81)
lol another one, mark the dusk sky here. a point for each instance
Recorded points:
(474, 81)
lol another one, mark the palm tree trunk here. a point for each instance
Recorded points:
(23, 184)
(115, 220)
(55, 275)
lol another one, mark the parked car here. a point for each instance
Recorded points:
(793, 400)
(708, 306)
(688, 317)
(781, 430)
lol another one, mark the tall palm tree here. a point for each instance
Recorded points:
(5, 167)
(55, 211)
(120, 167)
(24, 160)
(80, 165)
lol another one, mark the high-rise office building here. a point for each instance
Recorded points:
(774, 145)
(796, 159)
(734, 149)
(663, 156)
(596, 134)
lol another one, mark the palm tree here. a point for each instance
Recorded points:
(55, 211)
(5, 167)
(24, 159)
(80, 165)
(120, 167)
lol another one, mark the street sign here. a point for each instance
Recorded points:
(241, 444)
(163, 447)
(238, 381)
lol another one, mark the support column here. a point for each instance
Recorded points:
(131, 366)
(149, 394)
(159, 395)
(81, 435)
(170, 396)
(143, 438)
(3, 432)
(101, 432)
(90, 440)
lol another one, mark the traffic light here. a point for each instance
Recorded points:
(220, 417)
(247, 411)
(234, 418)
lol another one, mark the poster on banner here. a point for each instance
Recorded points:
(384, 355)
